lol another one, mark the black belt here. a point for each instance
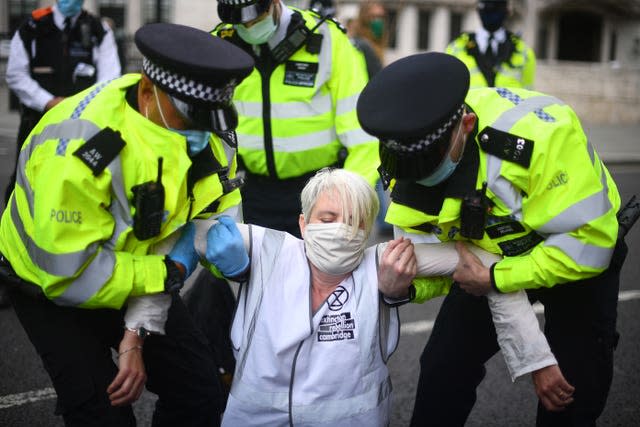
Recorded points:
(9, 277)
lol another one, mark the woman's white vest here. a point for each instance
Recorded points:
(296, 367)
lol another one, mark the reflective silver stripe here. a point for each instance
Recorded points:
(323, 411)
(92, 279)
(270, 250)
(355, 137)
(582, 254)
(69, 129)
(502, 188)
(68, 264)
(291, 144)
(326, 54)
(318, 105)
(592, 152)
(346, 105)
(582, 212)
(64, 265)
(528, 105)
(344, 408)
(119, 207)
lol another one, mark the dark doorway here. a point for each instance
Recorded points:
(580, 37)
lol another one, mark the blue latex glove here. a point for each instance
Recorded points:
(225, 248)
(184, 250)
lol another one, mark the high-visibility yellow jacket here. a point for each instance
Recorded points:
(518, 70)
(295, 117)
(552, 202)
(68, 226)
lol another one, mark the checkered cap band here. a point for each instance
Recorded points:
(186, 87)
(423, 143)
(237, 2)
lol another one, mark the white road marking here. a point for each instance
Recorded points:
(408, 328)
(27, 397)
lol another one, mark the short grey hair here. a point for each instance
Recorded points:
(353, 191)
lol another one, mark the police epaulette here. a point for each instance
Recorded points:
(338, 24)
(223, 30)
(41, 13)
(98, 151)
(331, 18)
(506, 146)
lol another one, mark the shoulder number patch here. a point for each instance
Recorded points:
(506, 146)
(100, 150)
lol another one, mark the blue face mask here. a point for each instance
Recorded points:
(197, 140)
(445, 169)
(70, 8)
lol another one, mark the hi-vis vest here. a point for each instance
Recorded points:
(68, 226)
(552, 203)
(516, 71)
(296, 117)
(296, 367)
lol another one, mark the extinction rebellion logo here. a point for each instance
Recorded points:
(337, 327)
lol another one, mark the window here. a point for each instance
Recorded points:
(156, 11)
(113, 12)
(424, 25)
(613, 45)
(580, 35)
(455, 25)
(542, 42)
(392, 17)
(19, 10)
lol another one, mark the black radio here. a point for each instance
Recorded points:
(473, 214)
(149, 204)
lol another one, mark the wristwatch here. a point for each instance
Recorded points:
(174, 280)
(142, 332)
(396, 302)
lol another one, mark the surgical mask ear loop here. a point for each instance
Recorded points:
(155, 93)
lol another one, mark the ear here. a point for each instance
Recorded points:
(468, 122)
(301, 224)
(145, 93)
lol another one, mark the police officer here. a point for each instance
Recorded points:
(102, 178)
(57, 52)
(297, 109)
(511, 171)
(494, 55)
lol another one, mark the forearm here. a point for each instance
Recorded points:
(524, 347)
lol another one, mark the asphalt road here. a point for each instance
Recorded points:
(26, 397)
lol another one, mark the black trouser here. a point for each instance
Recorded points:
(28, 120)
(273, 203)
(75, 347)
(580, 325)
(211, 302)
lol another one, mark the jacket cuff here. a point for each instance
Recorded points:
(494, 286)
(149, 275)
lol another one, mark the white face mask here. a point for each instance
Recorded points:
(330, 248)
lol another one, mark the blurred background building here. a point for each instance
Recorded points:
(588, 51)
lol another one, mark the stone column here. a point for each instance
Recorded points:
(440, 29)
(407, 30)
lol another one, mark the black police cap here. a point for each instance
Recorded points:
(241, 11)
(411, 106)
(192, 65)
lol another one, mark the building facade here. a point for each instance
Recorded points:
(588, 51)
